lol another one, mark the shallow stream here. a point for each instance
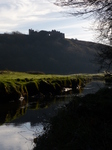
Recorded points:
(21, 123)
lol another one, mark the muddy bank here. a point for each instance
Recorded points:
(40, 88)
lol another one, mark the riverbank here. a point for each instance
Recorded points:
(85, 124)
(14, 85)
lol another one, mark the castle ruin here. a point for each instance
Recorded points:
(53, 34)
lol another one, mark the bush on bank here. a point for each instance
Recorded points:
(83, 124)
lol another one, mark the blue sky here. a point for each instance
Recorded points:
(21, 15)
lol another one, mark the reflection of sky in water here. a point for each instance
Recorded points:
(18, 137)
(93, 87)
(19, 134)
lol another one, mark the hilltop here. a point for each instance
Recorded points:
(48, 52)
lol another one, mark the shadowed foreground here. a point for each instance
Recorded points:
(84, 124)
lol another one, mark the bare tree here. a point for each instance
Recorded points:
(103, 57)
(101, 10)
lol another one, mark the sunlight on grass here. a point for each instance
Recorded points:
(21, 83)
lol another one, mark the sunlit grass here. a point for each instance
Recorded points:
(21, 83)
(9, 75)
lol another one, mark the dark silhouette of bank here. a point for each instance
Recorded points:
(46, 51)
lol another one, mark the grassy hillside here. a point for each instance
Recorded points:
(19, 52)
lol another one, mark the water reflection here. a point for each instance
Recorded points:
(18, 137)
(93, 87)
(21, 122)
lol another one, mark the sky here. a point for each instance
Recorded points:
(19, 137)
(22, 15)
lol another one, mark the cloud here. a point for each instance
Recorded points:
(24, 11)
(21, 137)
(37, 14)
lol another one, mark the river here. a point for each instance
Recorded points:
(24, 122)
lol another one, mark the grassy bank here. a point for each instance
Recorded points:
(15, 84)
(83, 124)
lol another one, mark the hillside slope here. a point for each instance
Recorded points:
(19, 52)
